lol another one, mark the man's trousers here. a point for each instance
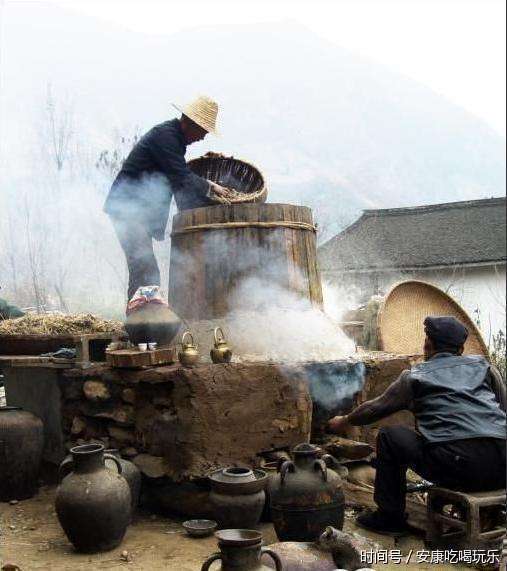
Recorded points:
(137, 245)
(472, 465)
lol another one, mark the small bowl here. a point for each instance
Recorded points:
(200, 527)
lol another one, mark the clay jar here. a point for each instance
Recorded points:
(241, 549)
(271, 469)
(21, 444)
(306, 497)
(130, 472)
(153, 322)
(92, 502)
(237, 496)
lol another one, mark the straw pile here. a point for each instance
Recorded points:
(57, 324)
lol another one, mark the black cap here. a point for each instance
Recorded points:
(446, 331)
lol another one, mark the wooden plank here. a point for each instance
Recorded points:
(33, 344)
(38, 344)
(133, 358)
(32, 361)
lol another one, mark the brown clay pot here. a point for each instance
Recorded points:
(130, 472)
(153, 322)
(92, 502)
(306, 497)
(237, 496)
(21, 444)
(241, 549)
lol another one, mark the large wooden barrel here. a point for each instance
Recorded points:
(216, 250)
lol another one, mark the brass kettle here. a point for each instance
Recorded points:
(221, 352)
(189, 354)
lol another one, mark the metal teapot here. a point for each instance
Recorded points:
(221, 353)
(189, 354)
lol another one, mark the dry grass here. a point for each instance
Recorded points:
(57, 324)
(231, 196)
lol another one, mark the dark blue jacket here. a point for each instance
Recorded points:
(153, 172)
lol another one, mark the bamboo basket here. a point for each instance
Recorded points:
(234, 174)
(402, 313)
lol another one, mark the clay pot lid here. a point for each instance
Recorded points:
(239, 537)
(234, 475)
(237, 481)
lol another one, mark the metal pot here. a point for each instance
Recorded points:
(237, 496)
(21, 445)
(241, 549)
(306, 496)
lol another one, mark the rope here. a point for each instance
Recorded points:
(224, 225)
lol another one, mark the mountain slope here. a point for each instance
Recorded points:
(328, 128)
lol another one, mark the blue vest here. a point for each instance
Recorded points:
(453, 400)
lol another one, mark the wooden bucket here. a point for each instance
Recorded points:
(217, 249)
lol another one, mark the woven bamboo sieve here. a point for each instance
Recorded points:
(401, 317)
(238, 175)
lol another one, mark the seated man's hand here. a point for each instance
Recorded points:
(338, 425)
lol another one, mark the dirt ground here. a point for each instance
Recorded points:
(31, 538)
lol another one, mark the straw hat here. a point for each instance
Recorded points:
(202, 111)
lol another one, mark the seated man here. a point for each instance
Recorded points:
(459, 405)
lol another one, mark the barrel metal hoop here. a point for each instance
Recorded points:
(230, 225)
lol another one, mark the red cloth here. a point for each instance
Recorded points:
(136, 304)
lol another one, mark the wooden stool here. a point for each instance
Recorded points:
(466, 530)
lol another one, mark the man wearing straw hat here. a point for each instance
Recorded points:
(459, 404)
(155, 171)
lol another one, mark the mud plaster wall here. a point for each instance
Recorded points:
(183, 423)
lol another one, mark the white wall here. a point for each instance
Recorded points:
(474, 288)
(479, 290)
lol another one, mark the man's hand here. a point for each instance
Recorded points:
(338, 425)
(219, 191)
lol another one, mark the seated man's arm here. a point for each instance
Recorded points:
(497, 385)
(398, 396)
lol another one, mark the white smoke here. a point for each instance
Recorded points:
(268, 322)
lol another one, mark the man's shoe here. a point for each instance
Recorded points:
(382, 522)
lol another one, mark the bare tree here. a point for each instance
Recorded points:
(35, 258)
(111, 160)
(59, 128)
